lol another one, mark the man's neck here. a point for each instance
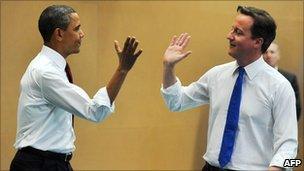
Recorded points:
(56, 48)
(244, 61)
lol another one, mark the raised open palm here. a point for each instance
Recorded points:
(127, 55)
(176, 50)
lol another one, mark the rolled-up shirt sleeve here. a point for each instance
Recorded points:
(59, 92)
(180, 98)
(172, 95)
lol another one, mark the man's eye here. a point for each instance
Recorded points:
(77, 29)
(238, 32)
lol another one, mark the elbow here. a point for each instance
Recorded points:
(97, 116)
(97, 120)
(174, 108)
(100, 118)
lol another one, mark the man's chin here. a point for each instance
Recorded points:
(76, 51)
(231, 54)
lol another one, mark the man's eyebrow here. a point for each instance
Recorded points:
(77, 27)
(239, 29)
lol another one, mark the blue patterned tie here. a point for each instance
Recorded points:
(231, 121)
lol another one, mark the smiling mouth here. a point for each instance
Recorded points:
(232, 45)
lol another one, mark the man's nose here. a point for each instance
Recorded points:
(81, 34)
(229, 36)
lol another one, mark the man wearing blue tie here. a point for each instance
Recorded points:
(252, 113)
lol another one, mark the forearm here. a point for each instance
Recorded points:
(115, 83)
(168, 76)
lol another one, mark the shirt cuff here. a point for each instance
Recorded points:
(172, 89)
(102, 98)
(278, 161)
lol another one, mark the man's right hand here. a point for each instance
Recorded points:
(127, 55)
(127, 58)
(175, 51)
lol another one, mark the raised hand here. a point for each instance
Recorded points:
(176, 50)
(127, 56)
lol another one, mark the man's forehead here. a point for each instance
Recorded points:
(243, 21)
(74, 16)
(74, 19)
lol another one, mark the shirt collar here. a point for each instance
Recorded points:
(276, 67)
(255, 67)
(54, 56)
(251, 69)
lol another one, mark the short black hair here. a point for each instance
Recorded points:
(263, 26)
(55, 16)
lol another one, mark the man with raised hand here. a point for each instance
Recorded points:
(49, 100)
(252, 115)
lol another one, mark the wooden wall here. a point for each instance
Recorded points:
(142, 133)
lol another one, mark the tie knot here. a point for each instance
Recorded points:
(241, 71)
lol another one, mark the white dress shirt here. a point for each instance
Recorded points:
(48, 100)
(267, 127)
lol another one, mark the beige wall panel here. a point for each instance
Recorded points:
(142, 133)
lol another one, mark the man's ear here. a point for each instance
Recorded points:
(58, 34)
(258, 42)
